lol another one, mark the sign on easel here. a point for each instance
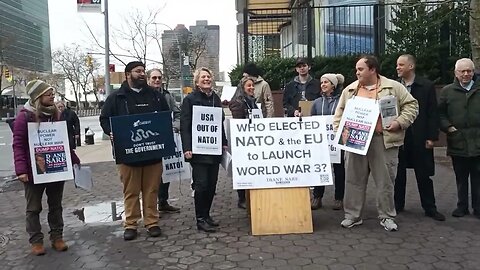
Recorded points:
(357, 125)
(49, 152)
(207, 130)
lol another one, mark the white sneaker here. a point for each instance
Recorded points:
(389, 224)
(348, 223)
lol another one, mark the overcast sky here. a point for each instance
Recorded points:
(67, 26)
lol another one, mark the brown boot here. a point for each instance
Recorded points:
(59, 245)
(38, 249)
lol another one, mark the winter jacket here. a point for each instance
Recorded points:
(407, 105)
(325, 105)
(198, 98)
(293, 93)
(125, 101)
(263, 94)
(21, 147)
(461, 109)
(73, 125)
(240, 106)
(172, 104)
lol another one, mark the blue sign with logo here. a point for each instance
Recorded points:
(142, 137)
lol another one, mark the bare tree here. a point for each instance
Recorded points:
(475, 31)
(72, 62)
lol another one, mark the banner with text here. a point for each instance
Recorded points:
(279, 153)
(142, 137)
(89, 6)
(357, 125)
(50, 152)
(207, 130)
(174, 167)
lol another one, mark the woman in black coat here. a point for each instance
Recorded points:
(242, 103)
(204, 167)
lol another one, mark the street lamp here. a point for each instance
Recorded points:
(179, 56)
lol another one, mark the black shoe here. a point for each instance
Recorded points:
(165, 207)
(399, 209)
(435, 215)
(202, 225)
(476, 214)
(212, 222)
(129, 234)
(459, 212)
(154, 231)
(242, 205)
(316, 203)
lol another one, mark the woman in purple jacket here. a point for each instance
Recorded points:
(39, 108)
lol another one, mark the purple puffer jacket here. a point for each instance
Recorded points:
(21, 148)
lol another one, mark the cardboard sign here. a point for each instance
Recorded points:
(50, 156)
(142, 137)
(306, 107)
(207, 130)
(174, 167)
(357, 125)
(279, 153)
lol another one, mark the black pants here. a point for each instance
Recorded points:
(241, 195)
(163, 193)
(33, 195)
(339, 173)
(424, 184)
(205, 178)
(465, 167)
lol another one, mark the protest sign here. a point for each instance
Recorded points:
(49, 152)
(335, 152)
(306, 107)
(357, 125)
(279, 153)
(83, 177)
(142, 137)
(175, 167)
(207, 130)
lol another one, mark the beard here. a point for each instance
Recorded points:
(138, 82)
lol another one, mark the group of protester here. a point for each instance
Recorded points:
(406, 143)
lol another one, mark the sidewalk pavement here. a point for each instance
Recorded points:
(96, 242)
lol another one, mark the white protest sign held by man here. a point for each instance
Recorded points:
(174, 167)
(50, 152)
(207, 130)
(357, 125)
(335, 152)
(279, 153)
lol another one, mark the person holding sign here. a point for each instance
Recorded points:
(39, 108)
(381, 158)
(302, 87)
(136, 97)
(331, 86)
(155, 81)
(204, 166)
(241, 106)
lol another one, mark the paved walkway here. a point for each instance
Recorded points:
(421, 243)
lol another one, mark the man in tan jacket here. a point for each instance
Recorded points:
(381, 159)
(263, 93)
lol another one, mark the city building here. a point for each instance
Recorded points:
(25, 35)
(209, 36)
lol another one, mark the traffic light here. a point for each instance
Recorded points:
(6, 74)
(89, 61)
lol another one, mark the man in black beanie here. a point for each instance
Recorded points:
(136, 97)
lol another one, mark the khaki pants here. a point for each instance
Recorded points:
(146, 180)
(382, 164)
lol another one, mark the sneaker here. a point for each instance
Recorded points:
(38, 249)
(165, 207)
(349, 223)
(337, 205)
(389, 224)
(316, 203)
(59, 245)
(154, 231)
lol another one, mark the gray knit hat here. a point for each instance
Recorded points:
(36, 88)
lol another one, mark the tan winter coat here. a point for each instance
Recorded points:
(263, 95)
(407, 104)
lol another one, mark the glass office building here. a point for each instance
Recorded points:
(25, 34)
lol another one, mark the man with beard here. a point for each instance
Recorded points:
(136, 97)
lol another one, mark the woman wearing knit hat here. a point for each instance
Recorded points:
(331, 86)
(39, 108)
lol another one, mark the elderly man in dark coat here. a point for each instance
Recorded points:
(417, 151)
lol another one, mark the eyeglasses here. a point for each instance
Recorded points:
(156, 78)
